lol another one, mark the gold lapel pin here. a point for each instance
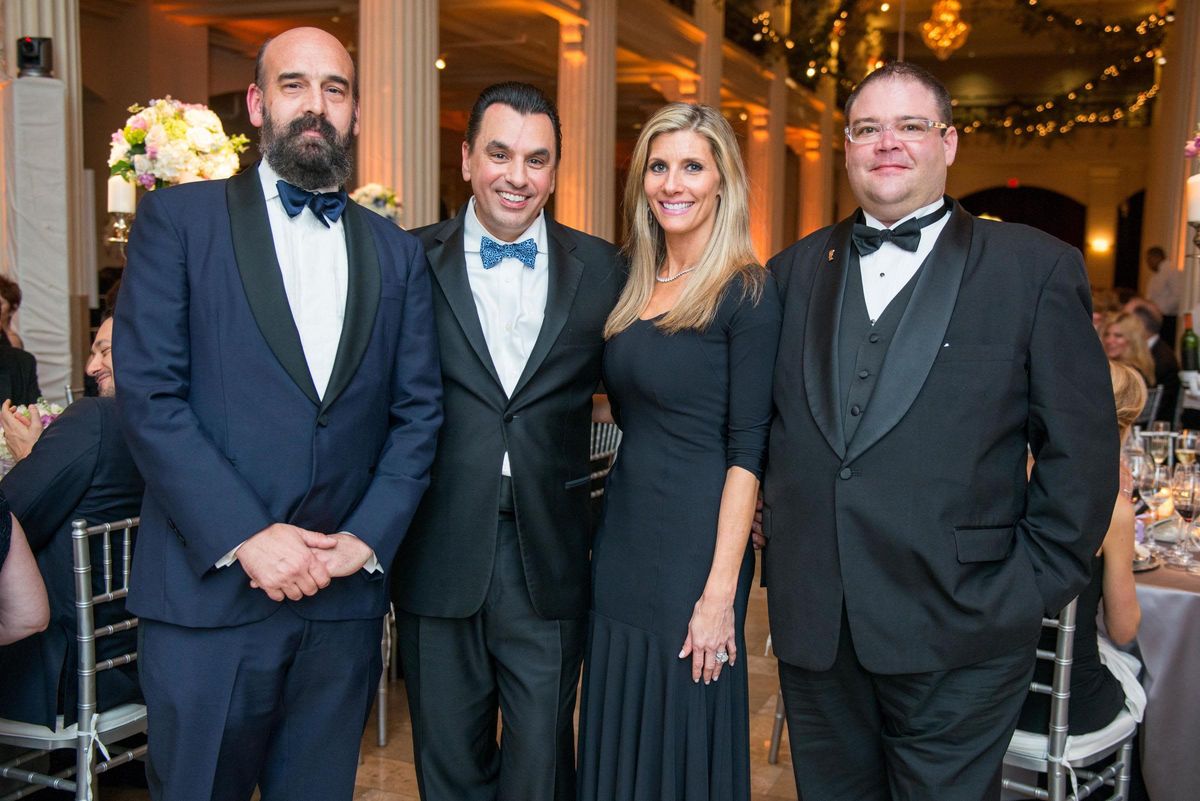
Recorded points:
(831, 253)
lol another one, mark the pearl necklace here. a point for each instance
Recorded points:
(674, 277)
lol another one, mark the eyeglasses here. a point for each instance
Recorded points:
(909, 129)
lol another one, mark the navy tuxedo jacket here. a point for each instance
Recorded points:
(924, 525)
(224, 421)
(79, 468)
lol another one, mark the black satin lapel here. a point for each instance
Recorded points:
(254, 248)
(450, 271)
(565, 272)
(362, 300)
(820, 335)
(920, 334)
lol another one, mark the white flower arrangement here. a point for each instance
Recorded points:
(379, 199)
(170, 142)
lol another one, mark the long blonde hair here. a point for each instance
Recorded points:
(728, 253)
(1137, 353)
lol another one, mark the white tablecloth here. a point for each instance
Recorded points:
(1169, 638)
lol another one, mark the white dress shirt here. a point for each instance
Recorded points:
(315, 269)
(886, 271)
(313, 263)
(510, 299)
(1165, 289)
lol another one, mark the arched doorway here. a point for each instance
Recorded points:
(1049, 211)
(1129, 241)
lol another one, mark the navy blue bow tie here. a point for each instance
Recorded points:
(328, 206)
(907, 235)
(492, 252)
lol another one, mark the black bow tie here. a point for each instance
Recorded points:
(907, 235)
(328, 206)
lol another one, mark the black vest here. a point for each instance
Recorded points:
(862, 347)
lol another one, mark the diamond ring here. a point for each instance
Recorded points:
(721, 656)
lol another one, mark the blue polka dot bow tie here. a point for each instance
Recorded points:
(327, 206)
(492, 252)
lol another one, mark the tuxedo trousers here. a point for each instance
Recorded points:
(459, 672)
(280, 703)
(856, 735)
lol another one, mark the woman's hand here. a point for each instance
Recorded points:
(19, 433)
(710, 632)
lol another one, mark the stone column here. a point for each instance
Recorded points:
(59, 20)
(587, 106)
(827, 95)
(1100, 227)
(710, 18)
(767, 166)
(398, 91)
(1176, 112)
(814, 192)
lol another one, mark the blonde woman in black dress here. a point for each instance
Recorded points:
(688, 363)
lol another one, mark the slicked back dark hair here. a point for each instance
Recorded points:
(904, 70)
(522, 98)
(259, 78)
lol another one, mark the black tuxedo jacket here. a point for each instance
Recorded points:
(1166, 375)
(924, 525)
(445, 565)
(79, 468)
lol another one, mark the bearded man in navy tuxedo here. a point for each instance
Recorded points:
(281, 394)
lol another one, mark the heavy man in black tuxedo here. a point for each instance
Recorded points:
(492, 583)
(908, 559)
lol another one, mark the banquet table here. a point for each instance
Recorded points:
(1169, 639)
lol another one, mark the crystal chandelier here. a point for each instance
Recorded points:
(945, 31)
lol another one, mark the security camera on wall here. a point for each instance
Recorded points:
(35, 57)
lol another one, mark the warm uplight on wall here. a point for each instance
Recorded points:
(440, 63)
(1099, 244)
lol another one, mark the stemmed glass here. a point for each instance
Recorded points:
(1154, 484)
(1185, 448)
(1185, 490)
(1158, 441)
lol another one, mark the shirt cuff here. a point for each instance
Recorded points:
(372, 564)
(229, 558)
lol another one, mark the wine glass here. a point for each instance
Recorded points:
(1185, 490)
(1154, 484)
(1158, 444)
(1185, 450)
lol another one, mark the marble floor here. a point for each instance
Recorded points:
(386, 773)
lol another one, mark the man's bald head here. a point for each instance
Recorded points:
(304, 37)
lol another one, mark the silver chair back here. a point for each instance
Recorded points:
(93, 732)
(1063, 771)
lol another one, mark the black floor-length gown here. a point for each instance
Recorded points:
(690, 405)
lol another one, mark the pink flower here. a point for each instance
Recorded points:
(147, 180)
(1192, 148)
(139, 123)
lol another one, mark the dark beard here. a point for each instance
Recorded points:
(308, 163)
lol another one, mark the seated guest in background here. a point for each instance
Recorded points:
(1124, 341)
(1166, 366)
(80, 467)
(1103, 681)
(1104, 305)
(10, 301)
(18, 374)
(23, 607)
